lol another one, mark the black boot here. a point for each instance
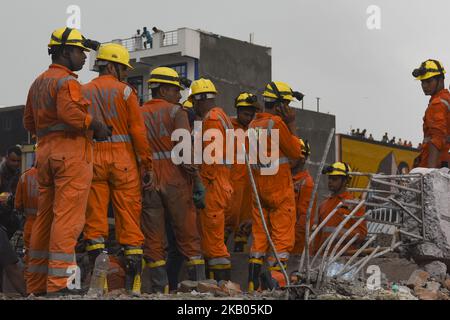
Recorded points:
(196, 269)
(133, 271)
(220, 272)
(93, 250)
(158, 277)
(254, 270)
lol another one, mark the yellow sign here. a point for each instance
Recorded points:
(374, 157)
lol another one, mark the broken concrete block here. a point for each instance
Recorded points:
(425, 294)
(187, 286)
(437, 270)
(230, 288)
(417, 279)
(433, 286)
(436, 203)
(208, 286)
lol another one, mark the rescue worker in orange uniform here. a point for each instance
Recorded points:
(303, 187)
(26, 201)
(338, 179)
(436, 122)
(215, 174)
(275, 189)
(172, 194)
(116, 168)
(238, 216)
(56, 113)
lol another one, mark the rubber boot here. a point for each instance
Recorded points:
(196, 269)
(274, 278)
(254, 271)
(220, 272)
(133, 271)
(93, 250)
(158, 277)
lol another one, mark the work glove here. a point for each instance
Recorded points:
(199, 193)
(101, 130)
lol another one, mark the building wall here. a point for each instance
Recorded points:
(11, 128)
(315, 127)
(233, 66)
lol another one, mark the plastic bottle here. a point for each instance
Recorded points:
(99, 284)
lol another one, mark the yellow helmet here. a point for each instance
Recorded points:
(245, 99)
(337, 169)
(164, 75)
(306, 149)
(187, 104)
(428, 69)
(284, 90)
(203, 86)
(69, 37)
(114, 52)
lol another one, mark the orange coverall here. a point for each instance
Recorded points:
(216, 179)
(327, 206)
(436, 128)
(276, 193)
(303, 187)
(26, 200)
(56, 113)
(240, 209)
(116, 172)
(172, 197)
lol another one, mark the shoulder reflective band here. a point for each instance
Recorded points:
(446, 103)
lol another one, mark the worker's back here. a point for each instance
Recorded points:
(159, 119)
(46, 105)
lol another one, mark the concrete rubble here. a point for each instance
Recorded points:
(436, 204)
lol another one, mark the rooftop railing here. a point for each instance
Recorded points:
(159, 39)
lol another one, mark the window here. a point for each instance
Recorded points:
(180, 68)
(6, 124)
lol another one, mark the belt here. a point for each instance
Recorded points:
(57, 127)
(117, 138)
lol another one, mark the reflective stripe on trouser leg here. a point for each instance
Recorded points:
(72, 178)
(40, 237)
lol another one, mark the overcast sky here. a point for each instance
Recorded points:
(322, 48)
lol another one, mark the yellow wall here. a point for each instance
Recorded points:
(366, 156)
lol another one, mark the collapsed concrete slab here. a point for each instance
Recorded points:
(436, 212)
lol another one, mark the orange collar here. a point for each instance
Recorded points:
(58, 66)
